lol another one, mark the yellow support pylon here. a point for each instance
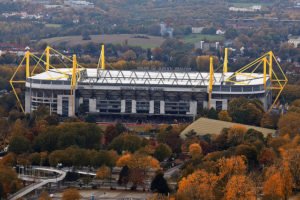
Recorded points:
(27, 66)
(225, 65)
(265, 73)
(211, 80)
(47, 58)
(270, 64)
(102, 58)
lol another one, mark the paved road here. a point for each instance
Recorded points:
(39, 182)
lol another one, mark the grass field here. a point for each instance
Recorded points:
(131, 39)
(193, 38)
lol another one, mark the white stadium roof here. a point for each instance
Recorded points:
(126, 77)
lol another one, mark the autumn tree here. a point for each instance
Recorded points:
(138, 165)
(231, 166)
(240, 187)
(273, 187)
(203, 62)
(224, 116)
(103, 172)
(290, 124)
(44, 196)
(195, 150)
(71, 194)
(236, 134)
(197, 186)
(9, 180)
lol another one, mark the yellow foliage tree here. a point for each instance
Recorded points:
(224, 116)
(138, 161)
(240, 187)
(197, 186)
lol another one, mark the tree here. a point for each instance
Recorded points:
(246, 111)
(269, 120)
(71, 194)
(195, 150)
(236, 135)
(267, 157)
(9, 180)
(113, 131)
(203, 62)
(159, 184)
(19, 144)
(126, 142)
(290, 124)
(44, 196)
(162, 151)
(138, 165)
(231, 166)
(240, 187)
(273, 187)
(138, 161)
(197, 186)
(103, 172)
(124, 175)
(129, 55)
(224, 116)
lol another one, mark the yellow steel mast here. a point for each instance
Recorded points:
(225, 65)
(211, 80)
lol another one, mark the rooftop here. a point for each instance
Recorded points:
(204, 126)
(119, 77)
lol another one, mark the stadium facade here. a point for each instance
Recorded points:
(138, 92)
(76, 90)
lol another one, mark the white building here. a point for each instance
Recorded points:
(246, 9)
(294, 40)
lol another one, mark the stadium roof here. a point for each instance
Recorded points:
(204, 126)
(148, 77)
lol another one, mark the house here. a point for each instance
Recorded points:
(294, 40)
(166, 30)
(220, 32)
(246, 9)
(197, 30)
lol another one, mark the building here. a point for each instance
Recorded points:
(152, 94)
(254, 8)
(197, 30)
(121, 92)
(294, 40)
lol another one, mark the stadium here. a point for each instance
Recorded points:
(131, 93)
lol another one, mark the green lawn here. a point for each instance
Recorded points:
(193, 38)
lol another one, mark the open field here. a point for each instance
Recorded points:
(143, 41)
(193, 38)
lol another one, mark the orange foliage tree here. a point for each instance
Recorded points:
(232, 166)
(195, 150)
(240, 187)
(197, 186)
